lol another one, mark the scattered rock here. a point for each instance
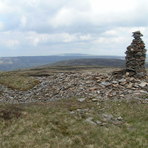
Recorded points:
(99, 122)
(107, 117)
(105, 83)
(94, 100)
(98, 92)
(120, 118)
(81, 99)
(143, 84)
(130, 85)
(64, 85)
(89, 120)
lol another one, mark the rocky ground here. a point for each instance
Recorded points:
(83, 85)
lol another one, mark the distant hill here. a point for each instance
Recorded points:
(92, 62)
(14, 63)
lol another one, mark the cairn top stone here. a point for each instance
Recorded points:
(137, 34)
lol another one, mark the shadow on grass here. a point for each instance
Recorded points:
(10, 111)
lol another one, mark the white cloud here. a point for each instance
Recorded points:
(98, 26)
(124, 31)
(1, 26)
(23, 21)
(109, 41)
(111, 33)
(36, 38)
(4, 8)
(9, 39)
(67, 17)
(116, 40)
(98, 12)
(12, 43)
(66, 37)
(113, 6)
(85, 37)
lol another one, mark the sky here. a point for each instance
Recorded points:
(50, 27)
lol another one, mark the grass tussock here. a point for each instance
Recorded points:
(62, 124)
(15, 81)
(10, 112)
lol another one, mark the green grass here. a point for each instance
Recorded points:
(16, 81)
(62, 124)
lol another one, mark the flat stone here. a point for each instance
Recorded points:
(120, 118)
(98, 122)
(140, 74)
(115, 82)
(122, 80)
(94, 100)
(139, 54)
(105, 83)
(81, 99)
(130, 85)
(107, 117)
(142, 91)
(89, 120)
(98, 92)
(121, 95)
(143, 84)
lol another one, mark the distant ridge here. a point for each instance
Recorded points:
(92, 62)
(14, 63)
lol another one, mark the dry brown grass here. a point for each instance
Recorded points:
(62, 124)
(16, 81)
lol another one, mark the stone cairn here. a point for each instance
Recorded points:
(135, 59)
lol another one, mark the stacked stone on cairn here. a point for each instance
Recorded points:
(135, 57)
